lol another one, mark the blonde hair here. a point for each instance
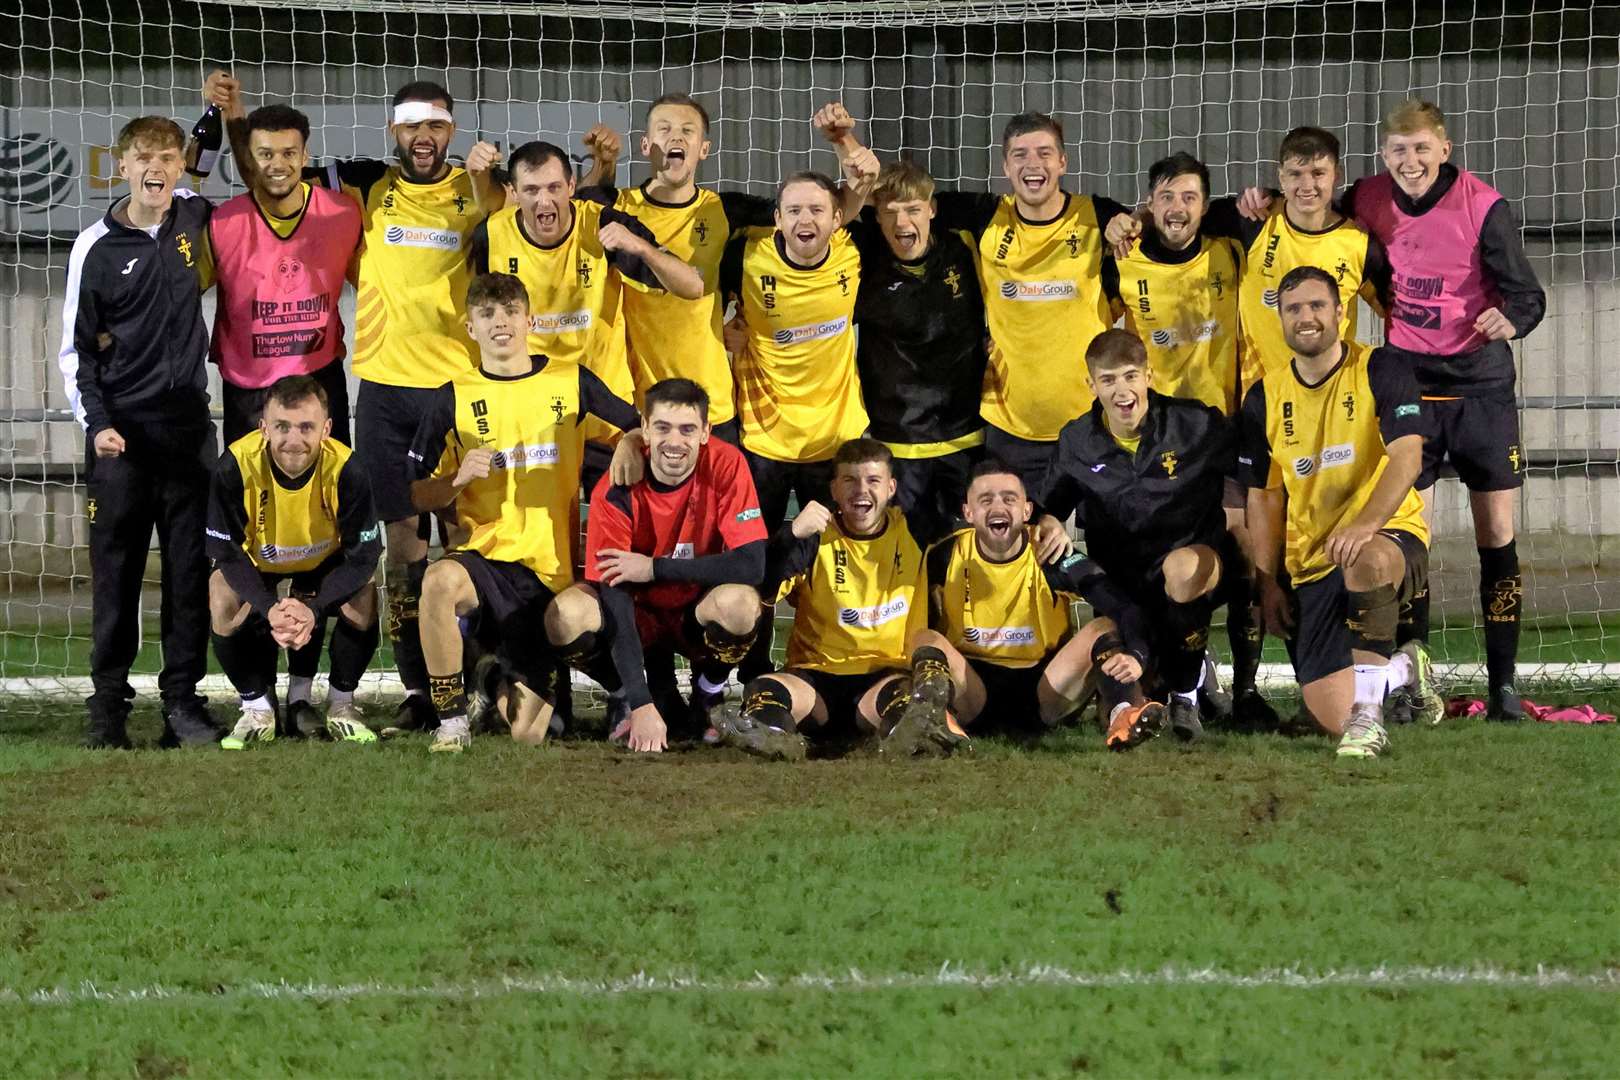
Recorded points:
(1413, 116)
(156, 132)
(903, 181)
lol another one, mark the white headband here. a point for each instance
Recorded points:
(416, 112)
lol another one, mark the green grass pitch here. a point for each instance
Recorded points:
(1247, 906)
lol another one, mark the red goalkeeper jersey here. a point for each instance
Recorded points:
(713, 511)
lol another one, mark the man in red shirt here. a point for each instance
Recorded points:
(672, 562)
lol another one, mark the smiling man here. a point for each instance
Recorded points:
(999, 637)
(1147, 475)
(855, 577)
(1331, 445)
(290, 504)
(1462, 290)
(133, 362)
(674, 561)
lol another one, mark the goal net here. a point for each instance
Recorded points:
(1531, 90)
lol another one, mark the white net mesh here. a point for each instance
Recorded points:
(1532, 92)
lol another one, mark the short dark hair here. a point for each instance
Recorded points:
(994, 466)
(278, 118)
(685, 101)
(863, 450)
(1299, 275)
(1027, 123)
(534, 155)
(1115, 348)
(676, 392)
(290, 391)
(1308, 144)
(821, 180)
(424, 90)
(1178, 164)
(496, 289)
(159, 132)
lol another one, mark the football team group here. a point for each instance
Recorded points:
(934, 379)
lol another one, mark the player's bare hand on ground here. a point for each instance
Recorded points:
(1495, 326)
(811, 520)
(643, 731)
(482, 157)
(109, 443)
(222, 90)
(1122, 667)
(624, 567)
(1121, 233)
(1052, 540)
(1273, 612)
(1254, 203)
(1344, 545)
(603, 143)
(616, 237)
(834, 122)
(475, 466)
(629, 462)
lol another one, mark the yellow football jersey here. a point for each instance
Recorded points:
(1004, 612)
(798, 395)
(1341, 250)
(1043, 303)
(1186, 314)
(521, 511)
(289, 529)
(674, 338)
(859, 601)
(576, 298)
(1324, 446)
(409, 328)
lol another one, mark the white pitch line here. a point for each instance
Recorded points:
(947, 977)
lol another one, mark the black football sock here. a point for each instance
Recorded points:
(404, 631)
(352, 650)
(1243, 634)
(449, 694)
(246, 656)
(766, 701)
(1109, 689)
(1372, 616)
(1414, 619)
(931, 674)
(891, 701)
(1186, 641)
(1501, 598)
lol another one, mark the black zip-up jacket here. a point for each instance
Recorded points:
(921, 348)
(134, 344)
(1136, 509)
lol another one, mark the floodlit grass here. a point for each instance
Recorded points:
(453, 895)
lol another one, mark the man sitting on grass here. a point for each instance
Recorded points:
(291, 503)
(1000, 634)
(855, 576)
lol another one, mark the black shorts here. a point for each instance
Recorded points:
(385, 422)
(842, 695)
(512, 604)
(937, 485)
(1027, 457)
(806, 481)
(244, 405)
(1322, 640)
(305, 584)
(1011, 703)
(728, 432)
(1480, 437)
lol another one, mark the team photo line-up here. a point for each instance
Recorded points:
(686, 362)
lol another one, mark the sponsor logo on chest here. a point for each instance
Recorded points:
(522, 457)
(559, 322)
(1039, 291)
(814, 332)
(1331, 458)
(417, 237)
(999, 637)
(868, 617)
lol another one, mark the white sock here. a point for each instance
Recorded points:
(1115, 710)
(1189, 696)
(256, 704)
(415, 693)
(708, 687)
(300, 688)
(1400, 671)
(336, 697)
(1203, 669)
(1370, 681)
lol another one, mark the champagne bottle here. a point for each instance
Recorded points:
(209, 136)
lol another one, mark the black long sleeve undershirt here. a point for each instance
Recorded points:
(743, 565)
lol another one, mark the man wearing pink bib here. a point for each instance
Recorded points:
(281, 253)
(1462, 289)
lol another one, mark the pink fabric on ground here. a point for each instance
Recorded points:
(1547, 714)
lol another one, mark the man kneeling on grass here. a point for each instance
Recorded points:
(855, 577)
(674, 563)
(290, 503)
(1000, 629)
